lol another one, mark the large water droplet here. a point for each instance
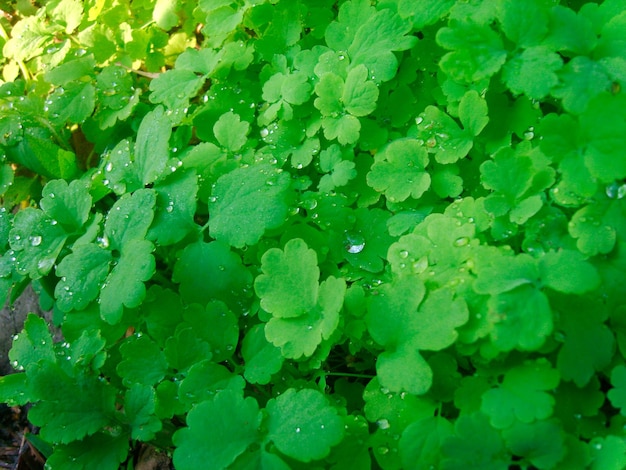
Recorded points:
(383, 423)
(35, 240)
(462, 241)
(355, 243)
(616, 190)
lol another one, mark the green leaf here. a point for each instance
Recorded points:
(129, 218)
(215, 325)
(139, 405)
(99, 450)
(32, 345)
(473, 112)
(329, 92)
(230, 132)
(374, 42)
(246, 202)
(262, 358)
(608, 453)
(567, 271)
(398, 170)
(67, 13)
(592, 236)
(525, 22)
(152, 145)
(617, 395)
(477, 51)
(142, 362)
(303, 425)
(541, 443)
(36, 240)
(62, 420)
(220, 22)
(28, 37)
(420, 444)
(82, 274)
(163, 311)
(588, 343)
(300, 336)
(125, 284)
(426, 13)
(71, 71)
(570, 31)
(393, 323)
(14, 390)
(165, 13)
(218, 431)
(120, 172)
(580, 80)
(209, 271)
(359, 94)
(175, 208)
(403, 369)
(522, 318)
(204, 380)
(533, 72)
(288, 287)
(475, 444)
(603, 139)
(504, 273)
(352, 15)
(73, 103)
(438, 317)
(346, 129)
(68, 204)
(175, 87)
(391, 313)
(184, 349)
(523, 395)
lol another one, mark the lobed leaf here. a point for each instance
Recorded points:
(218, 431)
(303, 425)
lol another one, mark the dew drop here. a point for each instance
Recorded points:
(383, 450)
(298, 430)
(170, 207)
(103, 242)
(616, 191)
(354, 244)
(462, 241)
(529, 134)
(264, 132)
(109, 167)
(35, 240)
(383, 423)
(419, 120)
(404, 254)
(420, 265)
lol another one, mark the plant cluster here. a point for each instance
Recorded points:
(318, 233)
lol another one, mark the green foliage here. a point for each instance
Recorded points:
(317, 234)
